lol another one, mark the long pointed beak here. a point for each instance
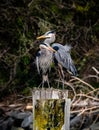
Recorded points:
(48, 48)
(51, 49)
(42, 37)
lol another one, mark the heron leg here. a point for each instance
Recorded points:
(48, 83)
(40, 85)
(61, 73)
(45, 80)
(59, 78)
(62, 78)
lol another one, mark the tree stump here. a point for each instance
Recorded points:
(51, 109)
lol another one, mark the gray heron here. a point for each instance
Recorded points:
(57, 53)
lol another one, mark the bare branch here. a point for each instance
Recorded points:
(83, 82)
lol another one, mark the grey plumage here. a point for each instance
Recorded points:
(60, 53)
(64, 58)
(44, 60)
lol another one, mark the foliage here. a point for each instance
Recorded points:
(76, 22)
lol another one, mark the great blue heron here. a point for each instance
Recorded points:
(50, 53)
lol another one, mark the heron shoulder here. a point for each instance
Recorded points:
(38, 53)
(61, 47)
(57, 46)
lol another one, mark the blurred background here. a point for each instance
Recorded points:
(76, 23)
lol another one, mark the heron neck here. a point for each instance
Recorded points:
(46, 43)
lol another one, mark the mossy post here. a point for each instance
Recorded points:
(51, 109)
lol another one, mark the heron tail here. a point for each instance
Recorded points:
(73, 70)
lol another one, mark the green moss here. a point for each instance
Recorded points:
(49, 114)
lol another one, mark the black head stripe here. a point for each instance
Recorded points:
(52, 31)
(44, 44)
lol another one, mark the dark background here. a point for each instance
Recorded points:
(76, 23)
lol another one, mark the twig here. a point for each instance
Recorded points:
(70, 85)
(76, 111)
(83, 82)
(87, 109)
(81, 103)
(84, 95)
(24, 97)
(91, 76)
(95, 70)
(92, 91)
(95, 111)
(76, 101)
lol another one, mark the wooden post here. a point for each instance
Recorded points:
(67, 114)
(51, 96)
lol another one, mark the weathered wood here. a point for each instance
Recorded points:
(46, 96)
(49, 93)
(67, 114)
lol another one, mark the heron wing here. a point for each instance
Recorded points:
(37, 61)
(64, 58)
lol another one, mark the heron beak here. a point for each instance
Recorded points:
(42, 37)
(51, 49)
(48, 48)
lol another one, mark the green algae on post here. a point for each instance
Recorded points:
(49, 114)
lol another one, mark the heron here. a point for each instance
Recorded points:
(51, 52)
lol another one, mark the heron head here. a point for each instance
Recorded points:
(49, 37)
